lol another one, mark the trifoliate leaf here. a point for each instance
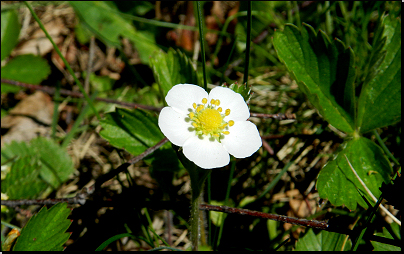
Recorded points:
(324, 71)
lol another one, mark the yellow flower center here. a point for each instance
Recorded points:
(211, 119)
(207, 119)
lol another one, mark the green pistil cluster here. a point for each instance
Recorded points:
(208, 120)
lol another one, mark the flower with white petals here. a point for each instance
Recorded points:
(209, 127)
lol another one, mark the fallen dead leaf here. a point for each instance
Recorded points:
(30, 118)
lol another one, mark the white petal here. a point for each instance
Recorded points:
(205, 153)
(231, 100)
(182, 96)
(174, 126)
(243, 140)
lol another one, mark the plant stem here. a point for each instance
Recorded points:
(202, 39)
(195, 222)
(248, 43)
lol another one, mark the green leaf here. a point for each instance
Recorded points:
(133, 131)
(337, 182)
(24, 68)
(55, 164)
(10, 30)
(333, 185)
(244, 90)
(173, 68)
(323, 241)
(45, 231)
(378, 246)
(105, 21)
(23, 182)
(324, 71)
(379, 103)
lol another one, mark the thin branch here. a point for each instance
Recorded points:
(371, 194)
(279, 116)
(80, 199)
(276, 217)
(51, 90)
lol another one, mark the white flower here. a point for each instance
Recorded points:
(209, 127)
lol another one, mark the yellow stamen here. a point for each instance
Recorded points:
(231, 123)
(204, 100)
(227, 112)
(226, 132)
(194, 105)
(191, 115)
(217, 103)
(220, 109)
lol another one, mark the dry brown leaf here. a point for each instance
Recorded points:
(28, 119)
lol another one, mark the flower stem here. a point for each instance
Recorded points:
(195, 222)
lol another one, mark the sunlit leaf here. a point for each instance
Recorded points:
(24, 68)
(380, 99)
(324, 71)
(338, 183)
(45, 231)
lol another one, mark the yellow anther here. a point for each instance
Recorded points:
(220, 109)
(194, 105)
(216, 135)
(227, 112)
(195, 125)
(204, 100)
(212, 102)
(226, 132)
(199, 108)
(231, 123)
(217, 102)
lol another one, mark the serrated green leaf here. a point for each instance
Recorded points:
(45, 231)
(333, 185)
(173, 68)
(133, 131)
(378, 246)
(379, 103)
(324, 71)
(24, 68)
(55, 164)
(23, 182)
(104, 21)
(337, 182)
(10, 30)
(323, 241)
